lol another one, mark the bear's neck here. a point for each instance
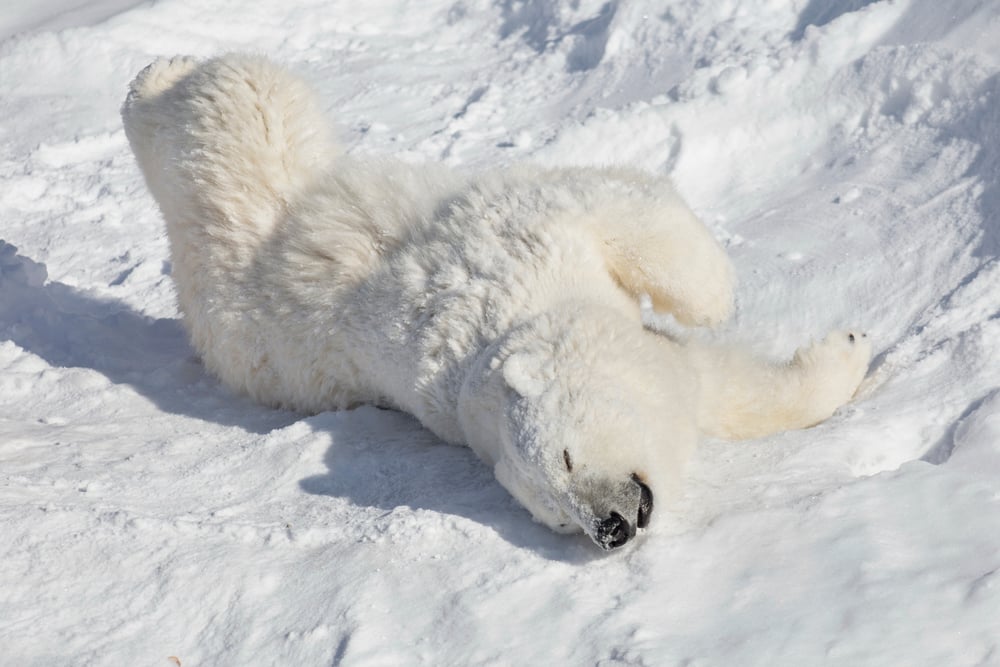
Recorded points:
(482, 404)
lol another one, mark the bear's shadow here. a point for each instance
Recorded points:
(386, 459)
(72, 328)
(378, 458)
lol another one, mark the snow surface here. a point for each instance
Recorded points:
(848, 154)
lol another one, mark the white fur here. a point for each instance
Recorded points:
(501, 309)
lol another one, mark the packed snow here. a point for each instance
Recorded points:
(847, 154)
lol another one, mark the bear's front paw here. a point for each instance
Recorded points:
(837, 363)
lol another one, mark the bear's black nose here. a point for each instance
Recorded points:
(614, 531)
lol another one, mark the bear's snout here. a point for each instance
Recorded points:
(636, 502)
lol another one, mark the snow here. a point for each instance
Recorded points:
(846, 153)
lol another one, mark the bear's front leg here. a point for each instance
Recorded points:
(746, 397)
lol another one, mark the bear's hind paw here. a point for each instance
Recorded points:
(159, 76)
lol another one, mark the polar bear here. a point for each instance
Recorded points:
(500, 309)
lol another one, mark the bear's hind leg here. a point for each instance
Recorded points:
(226, 143)
(654, 244)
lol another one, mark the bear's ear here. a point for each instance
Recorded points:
(523, 373)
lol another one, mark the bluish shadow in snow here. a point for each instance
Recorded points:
(53, 15)
(385, 459)
(69, 328)
(591, 40)
(943, 448)
(821, 12)
(982, 126)
(539, 25)
(533, 18)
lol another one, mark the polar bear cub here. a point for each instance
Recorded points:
(500, 309)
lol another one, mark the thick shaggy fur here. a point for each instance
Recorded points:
(501, 309)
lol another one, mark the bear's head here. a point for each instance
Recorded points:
(587, 423)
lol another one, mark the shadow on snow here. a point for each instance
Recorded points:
(378, 458)
(70, 328)
(386, 459)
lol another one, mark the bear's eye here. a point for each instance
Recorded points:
(567, 461)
